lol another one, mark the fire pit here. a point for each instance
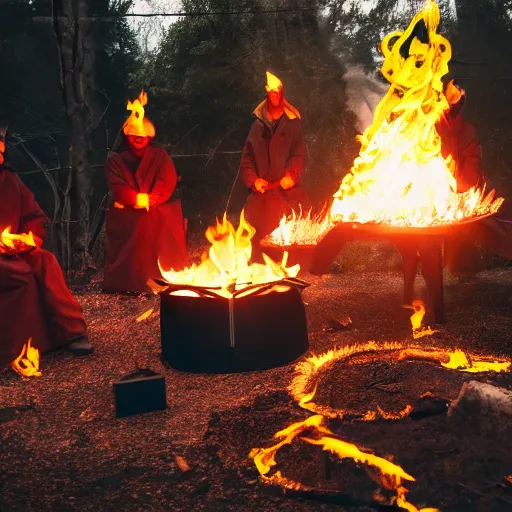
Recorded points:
(203, 331)
(228, 314)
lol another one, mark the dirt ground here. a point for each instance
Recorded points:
(62, 449)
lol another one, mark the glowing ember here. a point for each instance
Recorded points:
(142, 201)
(9, 241)
(400, 177)
(27, 363)
(304, 385)
(312, 431)
(137, 124)
(226, 267)
(145, 315)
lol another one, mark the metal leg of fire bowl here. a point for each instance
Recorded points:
(431, 255)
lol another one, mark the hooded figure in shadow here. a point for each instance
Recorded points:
(273, 162)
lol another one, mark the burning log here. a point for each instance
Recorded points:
(252, 315)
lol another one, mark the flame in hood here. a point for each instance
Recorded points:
(313, 431)
(137, 124)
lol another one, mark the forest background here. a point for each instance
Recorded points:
(68, 68)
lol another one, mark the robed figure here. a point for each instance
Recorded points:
(145, 226)
(273, 162)
(35, 301)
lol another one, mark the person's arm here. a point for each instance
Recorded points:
(248, 170)
(122, 193)
(32, 216)
(298, 158)
(165, 182)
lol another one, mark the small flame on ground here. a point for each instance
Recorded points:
(418, 329)
(145, 315)
(313, 431)
(7, 238)
(226, 267)
(27, 363)
(459, 360)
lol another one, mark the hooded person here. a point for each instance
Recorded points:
(460, 141)
(273, 162)
(145, 226)
(35, 301)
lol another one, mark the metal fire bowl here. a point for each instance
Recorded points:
(212, 334)
(316, 259)
(374, 229)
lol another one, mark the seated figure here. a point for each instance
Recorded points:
(145, 225)
(35, 301)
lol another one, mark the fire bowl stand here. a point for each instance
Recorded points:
(429, 242)
(209, 333)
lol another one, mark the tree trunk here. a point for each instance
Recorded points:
(76, 58)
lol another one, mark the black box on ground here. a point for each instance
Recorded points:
(139, 393)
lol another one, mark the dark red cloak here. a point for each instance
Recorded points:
(137, 239)
(270, 153)
(35, 301)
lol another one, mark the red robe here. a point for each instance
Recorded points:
(35, 301)
(269, 153)
(136, 238)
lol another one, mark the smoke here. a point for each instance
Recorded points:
(363, 92)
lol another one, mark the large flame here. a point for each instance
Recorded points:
(314, 432)
(8, 239)
(226, 265)
(400, 177)
(137, 124)
(27, 363)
